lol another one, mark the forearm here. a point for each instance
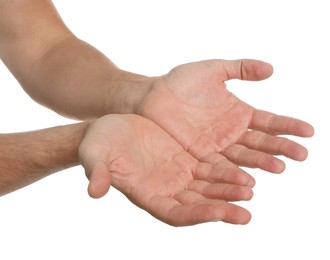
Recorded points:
(76, 80)
(60, 71)
(28, 157)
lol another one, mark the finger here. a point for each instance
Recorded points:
(280, 125)
(99, 180)
(275, 145)
(243, 156)
(223, 172)
(189, 197)
(174, 213)
(246, 69)
(236, 214)
(227, 192)
(229, 212)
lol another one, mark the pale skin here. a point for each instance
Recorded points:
(141, 160)
(138, 158)
(191, 103)
(58, 70)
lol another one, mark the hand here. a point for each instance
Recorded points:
(142, 161)
(193, 105)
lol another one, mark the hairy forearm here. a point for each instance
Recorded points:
(28, 157)
(59, 70)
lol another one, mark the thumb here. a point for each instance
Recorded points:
(247, 69)
(99, 179)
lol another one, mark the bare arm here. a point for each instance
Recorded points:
(28, 157)
(59, 70)
(161, 178)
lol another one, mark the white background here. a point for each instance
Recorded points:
(55, 218)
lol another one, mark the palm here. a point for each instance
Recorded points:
(193, 105)
(158, 175)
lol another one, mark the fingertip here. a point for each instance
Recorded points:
(241, 193)
(256, 69)
(247, 194)
(272, 164)
(251, 182)
(301, 154)
(245, 179)
(237, 215)
(266, 69)
(242, 178)
(278, 167)
(246, 218)
(99, 182)
(308, 131)
(96, 192)
(93, 193)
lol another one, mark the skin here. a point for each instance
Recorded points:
(141, 160)
(205, 132)
(192, 104)
(138, 158)
(28, 157)
(60, 71)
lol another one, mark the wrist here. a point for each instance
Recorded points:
(126, 92)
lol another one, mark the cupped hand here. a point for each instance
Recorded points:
(142, 161)
(193, 105)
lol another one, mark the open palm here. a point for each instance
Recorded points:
(141, 160)
(192, 104)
